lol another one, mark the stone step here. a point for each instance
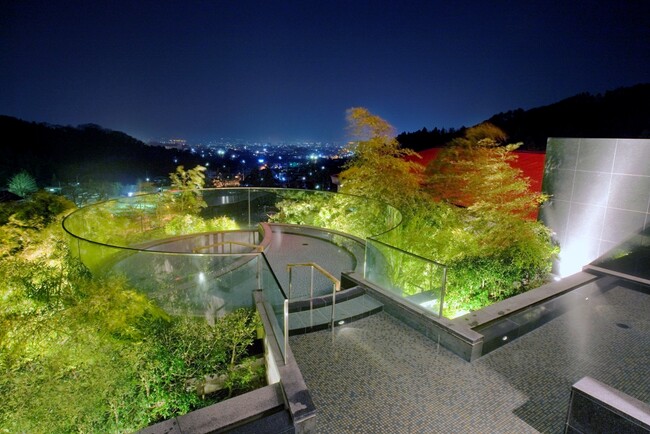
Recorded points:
(300, 304)
(306, 321)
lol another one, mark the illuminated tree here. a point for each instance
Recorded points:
(186, 189)
(474, 172)
(22, 184)
(379, 168)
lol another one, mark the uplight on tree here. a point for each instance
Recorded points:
(22, 184)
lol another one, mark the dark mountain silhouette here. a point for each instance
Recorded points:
(92, 153)
(620, 113)
(84, 153)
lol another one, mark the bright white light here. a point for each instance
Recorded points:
(201, 277)
(574, 256)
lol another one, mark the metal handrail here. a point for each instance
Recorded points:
(256, 247)
(335, 287)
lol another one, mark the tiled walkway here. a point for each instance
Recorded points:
(377, 375)
(288, 248)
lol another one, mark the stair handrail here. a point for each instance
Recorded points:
(336, 286)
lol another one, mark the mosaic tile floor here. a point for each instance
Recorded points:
(377, 375)
(287, 248)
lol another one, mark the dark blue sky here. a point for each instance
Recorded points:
(271, 70)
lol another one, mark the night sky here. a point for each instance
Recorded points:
(288, 70)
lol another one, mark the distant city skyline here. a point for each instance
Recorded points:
(287, 71)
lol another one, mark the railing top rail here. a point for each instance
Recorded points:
(324, 272)
(146, 199)
(255, 247)
(374, 240)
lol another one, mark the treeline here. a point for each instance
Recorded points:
(620, 113)
(59, 154)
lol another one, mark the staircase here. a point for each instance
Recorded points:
(351, 304)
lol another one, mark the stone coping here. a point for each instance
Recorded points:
(527, 299)
(464, 335)
(296, 395)
(612, 401)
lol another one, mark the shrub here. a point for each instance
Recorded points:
(88, 354)
(192, 224)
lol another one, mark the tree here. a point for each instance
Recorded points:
(22, 184)
(186, 189)
(474, 172)
(379, 169)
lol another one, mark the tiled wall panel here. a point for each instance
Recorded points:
(600, 196)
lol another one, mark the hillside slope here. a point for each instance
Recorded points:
(624, 113)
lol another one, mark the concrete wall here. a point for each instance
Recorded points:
(600, 196)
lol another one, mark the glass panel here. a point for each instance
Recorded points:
(135, 221)
(205, 263)
(354, 247)
(415, 279)
(275, 298)
(629, 259)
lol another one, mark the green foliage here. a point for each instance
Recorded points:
(22, 184)
(191, 224)
(474, 172)
(87, 354)
(186, 196)
(379, 169)
(42, 208)
(350, 214)
(183, 352)
(490, 256)
(21, 223)
(470, 214)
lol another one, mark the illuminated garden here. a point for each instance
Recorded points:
(138, 309)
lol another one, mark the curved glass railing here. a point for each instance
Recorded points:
(206, 263)
(416, 280)
(126, 222)
(148, 238)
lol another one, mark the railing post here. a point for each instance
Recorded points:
(249, 207)
(333, 304)
(443, 288)
(286, 329)
(290, 279)
(311, 284)
(365, 259)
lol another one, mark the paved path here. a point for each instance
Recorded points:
(288, 248)
(378, 375)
